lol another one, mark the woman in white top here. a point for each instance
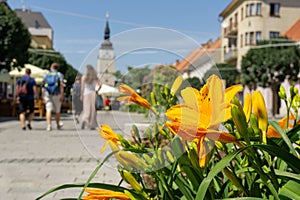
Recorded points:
(89, 82)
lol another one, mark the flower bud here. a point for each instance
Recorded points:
(176, 85)
(282, 93)
(260, 111)
(247, 106)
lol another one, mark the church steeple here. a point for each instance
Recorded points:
(107, 31)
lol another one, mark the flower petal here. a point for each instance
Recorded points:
(247, 106)
(260, 110)
(125, 89)
(220, 136)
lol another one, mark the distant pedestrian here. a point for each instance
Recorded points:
(89, 83)
(77, 102)
(26, 90)
(107, 104)
(53, 93)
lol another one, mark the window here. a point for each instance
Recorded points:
(247, 10)
(235, 19)
(274, 34)
(258, 9)
(230, 24)
(252, 9)
(37, 24)
(274, 9)
(247, 39)
(241, 43)
(251, 40)
(258, 36)
(242, 14)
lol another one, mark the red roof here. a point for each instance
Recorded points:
(208, 48)
(293, 32)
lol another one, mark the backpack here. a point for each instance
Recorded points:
(52, 83)
(22, 90)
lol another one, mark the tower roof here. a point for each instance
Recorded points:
(106, 44)
(107, 30)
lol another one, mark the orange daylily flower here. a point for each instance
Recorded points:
(99, 194)
(272, 133)
(201, 114)
(109, 135)
(132, 96)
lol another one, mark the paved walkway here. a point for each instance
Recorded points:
(34, 161)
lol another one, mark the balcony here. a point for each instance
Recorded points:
(231, 30)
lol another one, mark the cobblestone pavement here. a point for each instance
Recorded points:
(34, 161)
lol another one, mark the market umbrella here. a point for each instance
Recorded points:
(108, 90)
(36, 72)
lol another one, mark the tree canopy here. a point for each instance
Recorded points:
(271, 63)
(226, 71)
(14, 39)
(43, 59)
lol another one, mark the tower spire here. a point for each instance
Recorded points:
(107, 31)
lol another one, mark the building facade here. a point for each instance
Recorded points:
(244, 22)
(106, 62)
(40, 30)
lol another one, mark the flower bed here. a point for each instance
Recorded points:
(207, 146)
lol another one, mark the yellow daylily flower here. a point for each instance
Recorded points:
(260, 111)
(109, 135)
(247, 106)
(99, 194)
(201, 114)
(132, 96)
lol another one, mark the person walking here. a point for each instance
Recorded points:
(26, 90)
(89, 83)
(107, 104)
(77, 102)
(53, 94)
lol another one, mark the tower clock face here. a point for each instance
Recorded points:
(106, 54)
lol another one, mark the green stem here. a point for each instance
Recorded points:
(256, 164)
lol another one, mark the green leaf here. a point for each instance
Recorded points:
(288, 175)
(93, 185)
(243, 198)
(291, 160)
(214, 171)
(95, 172)
(283, 136)
(290, 190)
(184, 187)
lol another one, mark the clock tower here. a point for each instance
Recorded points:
(106, 62)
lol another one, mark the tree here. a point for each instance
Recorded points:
(14, 39)
(195, 82)
(226, 71)
(43, 59)
(135, 76)
(270, 64)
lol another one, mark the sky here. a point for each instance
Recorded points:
(142, 32)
